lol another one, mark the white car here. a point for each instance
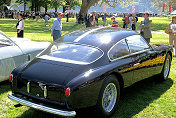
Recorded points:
(16, 51)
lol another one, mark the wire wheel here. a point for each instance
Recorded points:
(166, 68)
(109, 97)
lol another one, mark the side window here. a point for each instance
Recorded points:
(136, 43)
(119, 50)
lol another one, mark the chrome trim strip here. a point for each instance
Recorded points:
(77, 62)
(62, 60)
(130, 54)
(41, 107)
(113, 47)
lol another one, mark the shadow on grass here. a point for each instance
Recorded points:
(133, 100)
(137, 97)
(4, 87)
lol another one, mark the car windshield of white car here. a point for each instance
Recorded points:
(4, 40)
(75, 53)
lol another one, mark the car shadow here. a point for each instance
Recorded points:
(133, 100)
(4, 86)
(137, 97)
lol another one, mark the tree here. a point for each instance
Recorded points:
(55, 4)
(86, 4)
(159, 3)
(23, 2)
(5, 2)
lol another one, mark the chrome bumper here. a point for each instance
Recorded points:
(41, 107)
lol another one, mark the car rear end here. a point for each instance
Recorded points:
(38, 95)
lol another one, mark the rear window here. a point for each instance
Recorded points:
(75, 52)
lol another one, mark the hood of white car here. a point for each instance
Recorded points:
(27, 45)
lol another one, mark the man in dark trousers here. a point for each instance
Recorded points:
(57, 27)
(145, 27)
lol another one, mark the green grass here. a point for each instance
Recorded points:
(146, 99)
(36, 30)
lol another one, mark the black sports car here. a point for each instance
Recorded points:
(88, 68)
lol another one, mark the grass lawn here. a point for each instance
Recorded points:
(145, 99)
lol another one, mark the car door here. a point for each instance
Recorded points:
(11, 56)
(119, 55)
(143, 57)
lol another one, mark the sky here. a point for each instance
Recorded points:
(140, 6)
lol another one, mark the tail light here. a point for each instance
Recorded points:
(10, 78)
(67, 92)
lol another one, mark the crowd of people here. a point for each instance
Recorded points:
(91, 20)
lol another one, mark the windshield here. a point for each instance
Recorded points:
(73, 53)
(4, 40)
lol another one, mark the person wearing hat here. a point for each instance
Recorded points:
(57, 27)
(171, 30)
(20, 26)
(145, 27)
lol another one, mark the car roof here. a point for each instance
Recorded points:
(101, 37)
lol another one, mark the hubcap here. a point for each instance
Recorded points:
(109, 97)
(166, 68)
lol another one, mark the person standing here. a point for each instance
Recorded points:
(33, 15)
(130, 20)
(93, 19)
(133, 24)
(104, 19)
(126, 21)
(46, 20)
(171, 30)
(124, 24)
(145, 27)
(19, 26)
(57, 27)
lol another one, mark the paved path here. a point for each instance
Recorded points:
(158, 32)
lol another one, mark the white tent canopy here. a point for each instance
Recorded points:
(173, 13)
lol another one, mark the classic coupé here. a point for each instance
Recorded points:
(88, 68)
(16, 51)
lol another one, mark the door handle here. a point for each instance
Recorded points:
(29, 57)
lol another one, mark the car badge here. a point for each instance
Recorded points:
(42, 85)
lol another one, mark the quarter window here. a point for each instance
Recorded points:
(136, 43)
(119, 50)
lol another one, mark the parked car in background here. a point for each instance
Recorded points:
(16, 51)
(88, 68)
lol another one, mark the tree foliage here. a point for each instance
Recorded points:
(86, 4)
(159, 3)
(5, 2)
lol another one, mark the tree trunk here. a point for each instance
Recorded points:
(32, 7)
(55, 9)
(64, 9)
(35, 7)
(24, 6)
(46, 8)
(86, 4)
